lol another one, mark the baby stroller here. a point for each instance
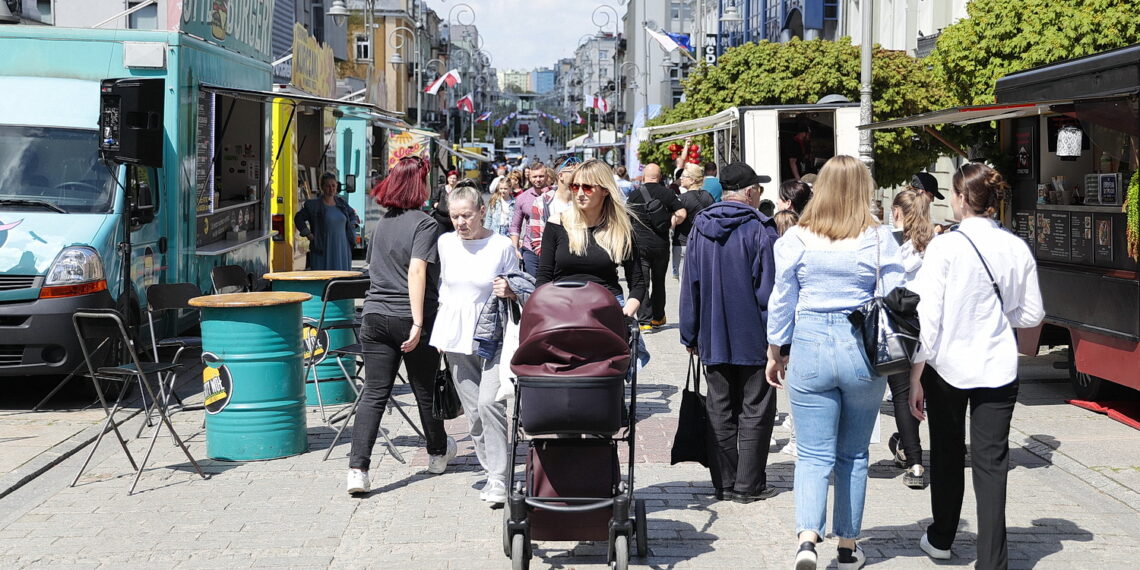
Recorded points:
(576, 352)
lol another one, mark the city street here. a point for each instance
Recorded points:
(1074, 495)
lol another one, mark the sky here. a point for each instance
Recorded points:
(524, 34)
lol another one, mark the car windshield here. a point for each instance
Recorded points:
(58, 167)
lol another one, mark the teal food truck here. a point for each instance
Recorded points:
(127, 158)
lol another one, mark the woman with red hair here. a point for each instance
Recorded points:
(398, 312)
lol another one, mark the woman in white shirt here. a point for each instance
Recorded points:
(976, 285)
(471, 258)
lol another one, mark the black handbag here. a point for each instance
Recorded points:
(690, 443)
(890, 333)
(445, 404)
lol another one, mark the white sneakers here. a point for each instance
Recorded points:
(933, 551)
(438, 463)
(357, 482)
(494, 492)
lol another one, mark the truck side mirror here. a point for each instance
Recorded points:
(349, 183)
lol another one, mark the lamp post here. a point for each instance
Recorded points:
(339, 13)
(605, 10)
(632, 85)
(729, 19)
(396, 41)
(464, 15)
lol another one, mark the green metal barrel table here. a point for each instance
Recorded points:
(253, 382)
(334, 387)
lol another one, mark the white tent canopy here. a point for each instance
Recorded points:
(721, 120)
(603, 137)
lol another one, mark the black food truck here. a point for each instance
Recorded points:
(1070, 131)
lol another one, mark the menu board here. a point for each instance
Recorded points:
(213, 228)
(1081, 237)
(1053, 236)
(204, 159)
(1023, 223)
(1103, 231)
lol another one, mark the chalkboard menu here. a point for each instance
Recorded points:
(1081, 237)
(1023, 226)
(1053, 236)
(204, 159)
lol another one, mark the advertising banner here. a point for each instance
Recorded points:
(314, 69)
(243, 26)
(405, 144)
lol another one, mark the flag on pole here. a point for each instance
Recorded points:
(466, 103)
(600, 104)
(451, 79)
(578, 120)
(682, 40)
(483, 117)
(667, 42)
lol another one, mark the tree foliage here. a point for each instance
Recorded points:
(1005, 36)
(802, 72)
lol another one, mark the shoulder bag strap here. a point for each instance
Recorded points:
(694, 373)
(878, 262)
(985, 265)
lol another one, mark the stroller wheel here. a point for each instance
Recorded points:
(640, 527)
(520, 555)
(621, 552)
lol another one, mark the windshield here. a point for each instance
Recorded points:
(58, 166)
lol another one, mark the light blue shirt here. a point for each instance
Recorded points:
(813, 274)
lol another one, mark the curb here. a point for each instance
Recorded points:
(39, 465)
(1088, 475)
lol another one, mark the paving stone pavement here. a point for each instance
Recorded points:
(1066, 509)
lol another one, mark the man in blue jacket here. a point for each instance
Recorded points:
(729, 274)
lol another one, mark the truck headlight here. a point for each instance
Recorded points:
(77, 270)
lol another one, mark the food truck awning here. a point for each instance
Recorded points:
(970, 115)
(722, 120)
(465, 155)
(382, 116)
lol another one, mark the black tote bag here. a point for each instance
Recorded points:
(888, 325)
(445, 404)
(690, 443)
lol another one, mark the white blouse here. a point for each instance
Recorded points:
(966, 332)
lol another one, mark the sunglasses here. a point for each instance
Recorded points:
(589, 189)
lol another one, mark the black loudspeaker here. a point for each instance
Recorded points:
(130, 120)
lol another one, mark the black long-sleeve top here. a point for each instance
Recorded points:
(559, 264)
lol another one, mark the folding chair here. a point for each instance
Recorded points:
(230, 279)
(160, 299)
(95, 326)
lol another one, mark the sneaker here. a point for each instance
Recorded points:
(806, 557)
(657, 323)
(851, 559)
(933, 551)
(896, 451)
(746, 498)
(790, 447)
(915, 477)
(438, 463)
(495, 492)
(357, 482)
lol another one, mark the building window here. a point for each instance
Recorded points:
(145, 19)
(363, 47)
(675, 10)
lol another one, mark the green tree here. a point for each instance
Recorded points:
(799, 72)
(1005, 36)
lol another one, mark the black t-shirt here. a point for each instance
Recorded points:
(559, 264)
(645, 236)
(401, 235)
(693, 201)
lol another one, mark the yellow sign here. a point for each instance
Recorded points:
(314, 69)
(402, 145)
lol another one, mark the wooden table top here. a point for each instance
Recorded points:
(310, 275)
(240, 300)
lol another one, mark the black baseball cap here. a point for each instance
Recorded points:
(927, 183)
(739, 175)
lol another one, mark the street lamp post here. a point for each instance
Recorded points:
(396, 42)
(604, 11)
(339, 13)
(621, 75)
(464, 15)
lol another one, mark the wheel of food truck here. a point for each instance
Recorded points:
(621, 552)
(520, 555)
(1087, 386)
(640, 528)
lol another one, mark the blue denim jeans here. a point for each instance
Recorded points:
(835, 398)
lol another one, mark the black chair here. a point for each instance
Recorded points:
(95, 327)
(340, 290)
(160, 299)
(230, 279)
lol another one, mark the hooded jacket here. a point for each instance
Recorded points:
(729, 274)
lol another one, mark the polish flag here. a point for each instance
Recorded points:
(578, 120)
(601, 105)
(466, 103)
(451, 79)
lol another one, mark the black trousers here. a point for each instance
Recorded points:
(991, 410)
(741, 408)
(654, 264)
(905, 422)
(381, 336)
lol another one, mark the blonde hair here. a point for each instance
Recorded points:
(614, 232)
(785, 219)
(915, 206)
(696, 176)
(840, 205)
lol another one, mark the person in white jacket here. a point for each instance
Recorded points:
(976, 285)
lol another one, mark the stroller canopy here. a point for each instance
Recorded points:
(574, 330)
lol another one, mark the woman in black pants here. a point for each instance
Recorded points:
(911, 210)
(976, 285)
(398, 313)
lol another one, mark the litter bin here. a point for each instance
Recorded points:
(252, 382)
(335, 389)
